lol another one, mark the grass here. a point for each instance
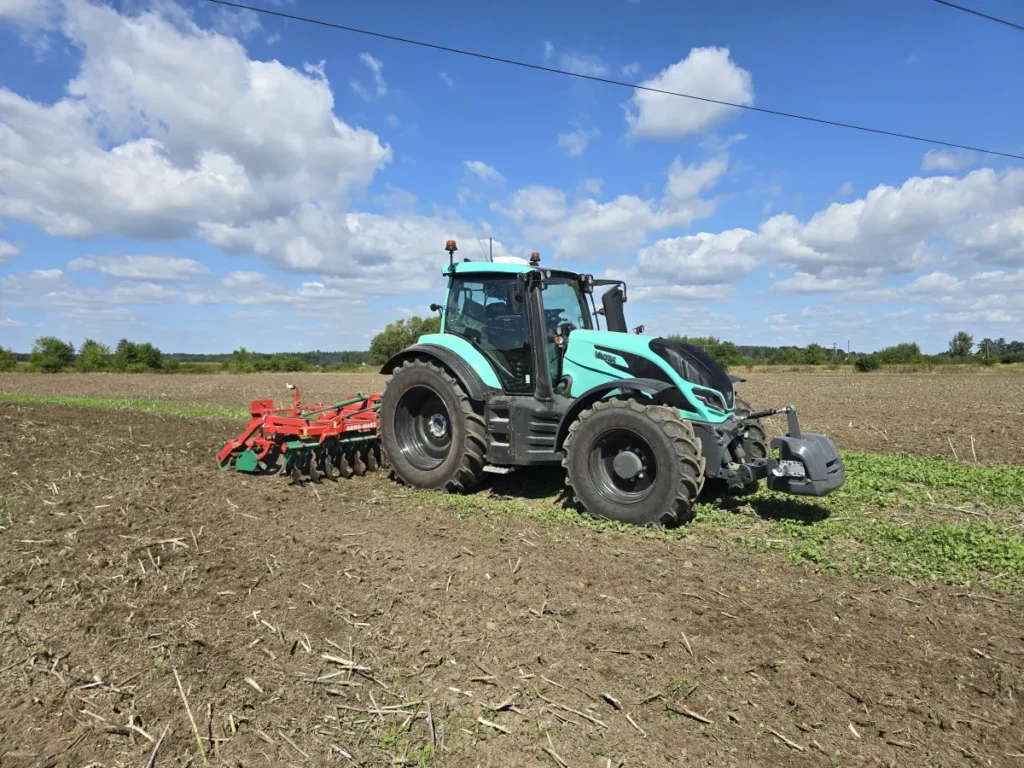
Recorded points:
(916, 517)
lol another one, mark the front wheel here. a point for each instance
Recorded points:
(635, 463)
(431, 434)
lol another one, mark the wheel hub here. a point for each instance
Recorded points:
(438, 426)
(627, 465)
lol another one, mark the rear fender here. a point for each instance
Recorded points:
(662, 392)
(474, 384)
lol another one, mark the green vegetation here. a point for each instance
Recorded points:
(51, 355)
(400, 334)
(906, 516)
(866, 363)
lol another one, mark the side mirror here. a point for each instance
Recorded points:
(516, 297)
(435, 307)
(612, 304)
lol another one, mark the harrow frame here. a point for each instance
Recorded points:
(307, 440)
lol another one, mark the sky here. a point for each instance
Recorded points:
(204, 178)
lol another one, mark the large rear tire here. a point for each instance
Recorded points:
(635, 463)
(431, 435)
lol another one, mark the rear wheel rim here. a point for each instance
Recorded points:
(423, 428)
(609, 483)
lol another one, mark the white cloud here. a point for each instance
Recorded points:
(141, 267)
(941, 160)
(588, 228)
(685, 182)
(706, 72)
(10, 323)
(484, 172)
(803, 282)
(632, 69)
(136, 149)
(243, 279)
(845, 190)
(8, 251)
(892, 230)
(696, 259)
(549, 49)
(446, 79)
(376, 66)
(575, 143)
(583, 64)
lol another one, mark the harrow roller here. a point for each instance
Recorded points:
(318, 441)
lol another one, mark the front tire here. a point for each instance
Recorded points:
(431, 435)
(635, 463)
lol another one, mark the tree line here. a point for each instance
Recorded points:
(52, 355)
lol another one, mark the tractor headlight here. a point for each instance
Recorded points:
(710, 398)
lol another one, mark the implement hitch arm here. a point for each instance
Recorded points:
(791, 419)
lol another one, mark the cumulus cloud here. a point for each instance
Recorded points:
(575, 143)
(588, 229)
(706, 72)
(141, 267)
(484, 172)
(632, 69)
(136, 149)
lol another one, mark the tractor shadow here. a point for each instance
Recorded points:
(535, 483)
(547, 483)
(776, 507)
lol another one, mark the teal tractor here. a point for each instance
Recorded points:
(522, 375)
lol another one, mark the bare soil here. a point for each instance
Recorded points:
(935, 413)
(359, 623)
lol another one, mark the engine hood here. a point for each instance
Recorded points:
(694, 365)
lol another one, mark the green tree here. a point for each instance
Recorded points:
(135, 358)
(900, 354)
(988, 349)
(866, 363)
(93, 356)
(400, 334)
(961, 344)
(8, 362)
(814, 354)
(51, 355)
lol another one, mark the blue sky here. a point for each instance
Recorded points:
(204, 179)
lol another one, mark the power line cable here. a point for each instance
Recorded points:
(982, 15)
(610, 81)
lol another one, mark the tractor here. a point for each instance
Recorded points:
(521, 374)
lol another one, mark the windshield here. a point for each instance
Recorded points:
(564, 304)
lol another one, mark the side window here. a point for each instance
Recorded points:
(478, 311)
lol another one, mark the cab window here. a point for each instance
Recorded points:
(478, 311)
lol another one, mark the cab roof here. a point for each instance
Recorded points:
(497, 268)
